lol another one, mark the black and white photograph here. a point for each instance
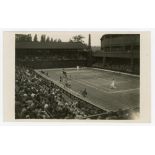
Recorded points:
(77, 75)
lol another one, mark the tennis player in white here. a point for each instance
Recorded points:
(113, 84)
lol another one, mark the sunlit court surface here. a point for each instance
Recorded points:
(97, 82)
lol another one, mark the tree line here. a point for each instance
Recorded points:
(29, 38)
(44, 38)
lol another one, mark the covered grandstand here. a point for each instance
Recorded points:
(120, 52)
(51, 55)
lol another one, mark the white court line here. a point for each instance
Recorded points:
(54, 69)
(123, 91)
(123, 73)
(104, 79)
(81, 71)
(111, 92)
(107, 89)
(84, 83)
(111, 81)
(96, 85)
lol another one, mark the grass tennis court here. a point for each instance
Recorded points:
(97, 83)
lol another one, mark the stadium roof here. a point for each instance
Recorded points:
(53, 45)
(118, 35)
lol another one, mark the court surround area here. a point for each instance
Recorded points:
(97, 83)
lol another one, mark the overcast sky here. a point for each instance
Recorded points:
(66, 36)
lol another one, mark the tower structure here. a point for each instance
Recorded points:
(90, 51)
(89, 41)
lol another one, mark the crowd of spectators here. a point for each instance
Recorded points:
(39, 62)
(39, 98)
(121, 67)
(50, 57)
(118, 67)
